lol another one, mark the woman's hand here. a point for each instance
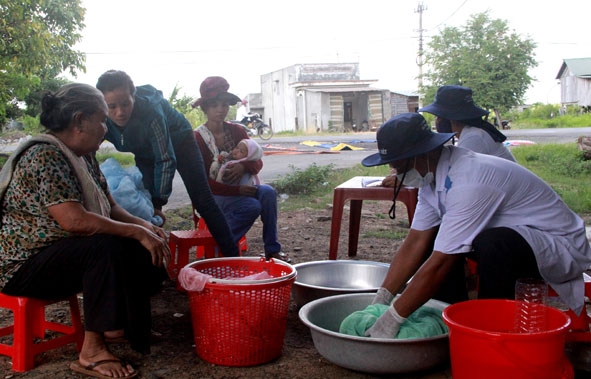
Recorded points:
(234, 173)
(248, 191)
(73, 218)
(154, 240)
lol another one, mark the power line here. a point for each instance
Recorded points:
(420, 9)
(450, 16)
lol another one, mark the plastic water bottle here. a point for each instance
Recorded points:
(530, 295)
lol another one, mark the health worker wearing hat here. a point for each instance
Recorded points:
(473, 205)
(161, 139)
(241, 204)
(456, 113)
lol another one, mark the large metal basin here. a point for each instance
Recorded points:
(320, 279)
(371, 355)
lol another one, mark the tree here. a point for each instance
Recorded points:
(36, 40)
(195, 116)
(485, 56)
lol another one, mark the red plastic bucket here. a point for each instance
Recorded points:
(241, 322)
(483, 344)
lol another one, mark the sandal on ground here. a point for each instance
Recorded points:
(90, 369)
(279, 256)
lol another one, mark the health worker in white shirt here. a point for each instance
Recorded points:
(473, 205)
(456, 113)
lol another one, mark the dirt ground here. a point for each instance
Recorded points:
(305, 236)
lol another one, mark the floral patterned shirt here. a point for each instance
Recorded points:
(42, 177)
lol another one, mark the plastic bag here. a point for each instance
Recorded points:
(128, 190)
(193, 280)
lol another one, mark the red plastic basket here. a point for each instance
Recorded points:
(241, 323)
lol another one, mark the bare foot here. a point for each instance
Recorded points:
(94, 351)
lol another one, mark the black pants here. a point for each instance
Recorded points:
(503, 256)
(114, 274)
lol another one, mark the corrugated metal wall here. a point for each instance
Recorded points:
(375, 112)
(336, 112)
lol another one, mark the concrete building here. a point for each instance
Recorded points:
(327, 97)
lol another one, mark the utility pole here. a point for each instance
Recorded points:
(420, 9)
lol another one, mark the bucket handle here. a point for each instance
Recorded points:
(533, 371)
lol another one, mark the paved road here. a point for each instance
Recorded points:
(277, 165)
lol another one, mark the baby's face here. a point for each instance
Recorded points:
(240, 151)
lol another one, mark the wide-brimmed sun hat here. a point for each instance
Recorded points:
(403, 136)
(215, 88)
(454, 103)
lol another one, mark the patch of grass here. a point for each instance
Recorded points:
(561, 166)
(393, 234)
(303, 182)
(179, 219)
(323, 194)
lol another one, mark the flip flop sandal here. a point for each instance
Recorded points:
(279, 256)
(90, 369)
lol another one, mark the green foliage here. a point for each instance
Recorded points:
(563, 167)
(305, 181)
(36, 46)
(485, 56)
(549, 116)
(124, 159)
(324, 192)
(540, 111)
(32, 125)
(195, 116)
(47, 83)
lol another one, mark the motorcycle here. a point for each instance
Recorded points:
(255, 126)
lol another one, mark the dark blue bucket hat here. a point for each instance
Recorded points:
(454, 103)
(403, 136)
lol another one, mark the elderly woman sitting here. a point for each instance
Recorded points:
(62, 233)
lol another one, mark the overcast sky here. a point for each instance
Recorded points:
(180, 42)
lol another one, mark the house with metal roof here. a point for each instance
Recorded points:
(575, 82)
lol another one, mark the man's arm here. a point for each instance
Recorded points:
(409, 257)
(426, 282)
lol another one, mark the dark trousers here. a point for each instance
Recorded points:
(114, 274)
(503, 256)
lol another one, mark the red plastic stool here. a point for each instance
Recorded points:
(29, 323)
(181, 241)
(201, 225)
(579, 324)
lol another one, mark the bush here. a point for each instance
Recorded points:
(32, 125)
(305, 182)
